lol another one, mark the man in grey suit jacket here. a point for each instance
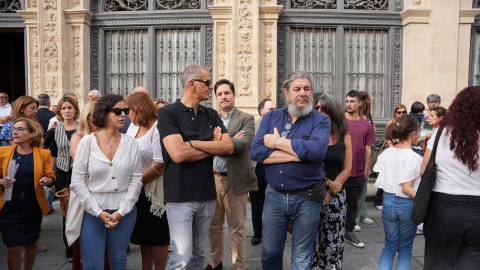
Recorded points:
(234, 178)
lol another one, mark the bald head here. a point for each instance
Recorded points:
(192, 72)
(141, 89)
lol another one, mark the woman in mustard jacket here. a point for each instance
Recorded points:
(21, 217)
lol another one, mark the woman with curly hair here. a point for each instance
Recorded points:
(451, 225)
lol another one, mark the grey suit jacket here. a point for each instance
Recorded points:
(241, 174)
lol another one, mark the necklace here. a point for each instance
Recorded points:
(114, 141)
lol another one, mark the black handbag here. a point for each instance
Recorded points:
(422, 199)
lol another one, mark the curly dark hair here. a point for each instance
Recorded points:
(463, 123)
(102, 108)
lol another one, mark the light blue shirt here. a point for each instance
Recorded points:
(220, 162)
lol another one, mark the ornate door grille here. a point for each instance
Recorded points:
(149, 43)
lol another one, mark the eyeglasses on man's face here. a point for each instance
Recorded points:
(118, 111)
(207, 82)
(3, 97)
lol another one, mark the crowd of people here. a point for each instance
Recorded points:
(167, 176)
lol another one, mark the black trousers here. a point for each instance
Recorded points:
(379, 197)
(59, 185)
(452, 236)
(353, 190)
(257, 200)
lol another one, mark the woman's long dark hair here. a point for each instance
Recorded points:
(463, 123)
(334, 110)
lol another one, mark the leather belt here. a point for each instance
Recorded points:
(220, 173)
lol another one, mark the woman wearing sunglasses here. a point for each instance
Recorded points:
(58, 141)
(107, 178)
(329, 245)
(21, 217)
(399, 110)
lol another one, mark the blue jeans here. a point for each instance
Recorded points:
(188, 223)
(94, 234)
(280, 209)
(399, 231)
(49, 197)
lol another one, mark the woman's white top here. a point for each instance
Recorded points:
(113, 185)
(150, 148)
(453, 177)
(395, 167)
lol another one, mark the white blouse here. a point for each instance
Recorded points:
(150, 148)
(395, 167)
(113, 185)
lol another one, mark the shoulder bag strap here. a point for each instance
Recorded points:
(434, 150)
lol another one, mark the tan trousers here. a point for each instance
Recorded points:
(235, 208)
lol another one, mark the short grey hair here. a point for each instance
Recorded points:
(43, 99)
(96, 93)
(191, 72)
(296, 75)
(434, 98)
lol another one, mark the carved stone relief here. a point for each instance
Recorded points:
(222, 48)
(281, 52)
(397, 70)
(50, 45)
(77, 3)
(36, 63)
(77, 70)
(269, 60)
(245, 44)
(33, 3)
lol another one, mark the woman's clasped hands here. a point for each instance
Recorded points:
(110, 220)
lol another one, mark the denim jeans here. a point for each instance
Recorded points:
(188, 223)
(94, 235)
(49, 197)
(400, 231)
(280, 209)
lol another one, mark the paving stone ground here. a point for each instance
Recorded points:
(354, 258)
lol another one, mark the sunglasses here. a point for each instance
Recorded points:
(207, 82)
(401, 112)
(288, 126)
(118, 111)
(323, 107)
(20, 129)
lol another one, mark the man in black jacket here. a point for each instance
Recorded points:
(44, 114)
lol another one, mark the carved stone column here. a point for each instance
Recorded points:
(245, 48)
(436, 46)
(58, 42)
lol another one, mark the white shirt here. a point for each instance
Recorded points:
(453, 177)
(150, 148)
(5, 110)
(112, 184)
(395, 167)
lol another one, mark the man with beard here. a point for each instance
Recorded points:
(363, 136)
(292, 143)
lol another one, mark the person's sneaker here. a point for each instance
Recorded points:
(366, 221)
(379, 207)
(419, 231)
(352, 239)
(357, 228)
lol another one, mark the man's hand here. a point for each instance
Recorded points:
(217, 134)
(240, 135)
(269, 139)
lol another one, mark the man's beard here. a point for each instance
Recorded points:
(295, 110)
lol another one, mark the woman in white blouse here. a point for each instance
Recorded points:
(151, 229)
(107, 178)
(452, 236)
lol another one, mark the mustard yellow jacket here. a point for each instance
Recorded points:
(42, 168)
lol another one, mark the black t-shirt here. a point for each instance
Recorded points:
(188, 181)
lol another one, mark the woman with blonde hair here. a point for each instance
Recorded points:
(23, 107)
(151, 230)
(21, 217)
(398, 111)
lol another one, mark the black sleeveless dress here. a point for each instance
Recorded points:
(329, 244)
(21, 218)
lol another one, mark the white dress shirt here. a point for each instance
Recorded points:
(113, 185)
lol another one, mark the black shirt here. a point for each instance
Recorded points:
(188, 181)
